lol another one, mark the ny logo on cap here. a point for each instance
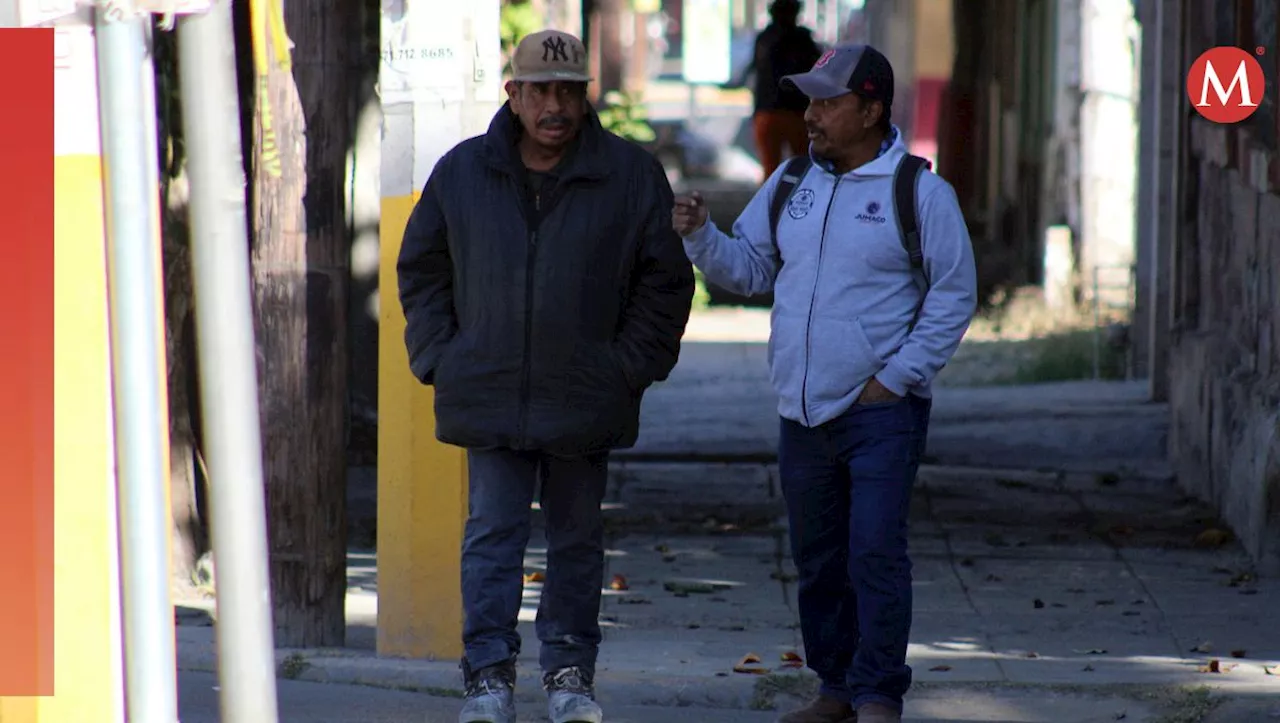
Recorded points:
(826, 58)
(553, 50)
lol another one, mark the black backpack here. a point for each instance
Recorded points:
(905, 180)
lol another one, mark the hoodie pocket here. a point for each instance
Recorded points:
(841, 358)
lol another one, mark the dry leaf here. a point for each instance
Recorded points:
(1038, 603)
(1032, 655)
(750, 664)
(534, 577)
(1213, 537)
(619, 583)
(1269, 669)
(792, 657)
(940, 668)
(1213, 666)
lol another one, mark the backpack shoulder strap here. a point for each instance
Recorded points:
(792, 175)
(905, 180)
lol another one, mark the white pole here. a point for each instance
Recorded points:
(228, 365)
(127, 82)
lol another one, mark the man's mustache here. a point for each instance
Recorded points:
(553, 121)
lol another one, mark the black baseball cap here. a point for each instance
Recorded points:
(844, 69)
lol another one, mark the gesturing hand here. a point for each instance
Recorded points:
(689, 214)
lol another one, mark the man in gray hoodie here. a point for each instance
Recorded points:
(872, 270)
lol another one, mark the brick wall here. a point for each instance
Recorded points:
(1224, 364)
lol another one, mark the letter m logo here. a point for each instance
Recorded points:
(1230, 102)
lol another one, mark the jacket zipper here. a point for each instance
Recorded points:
(525, 368)
(808, 327)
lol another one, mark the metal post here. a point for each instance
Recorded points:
(126, 82)
(228, 365)
(130, 159)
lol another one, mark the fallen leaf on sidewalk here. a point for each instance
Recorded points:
(1214, 666)
(751, 665)
(1038, 603)
(619, 583)
(1269, 669)
(534, 577)
(940, 668)
(791, 657)
(1213, 537)
(1032, 655)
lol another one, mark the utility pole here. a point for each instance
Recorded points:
(303, 129)
(430, 102)
(228, 365)
(126, 84)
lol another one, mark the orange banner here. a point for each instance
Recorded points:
(26, 361)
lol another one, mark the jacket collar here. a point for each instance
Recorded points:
(589, 161)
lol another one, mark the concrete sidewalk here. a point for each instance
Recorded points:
(1097, 593)
(719, 405)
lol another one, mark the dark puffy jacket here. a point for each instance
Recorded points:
(543, 338)
(780, 51)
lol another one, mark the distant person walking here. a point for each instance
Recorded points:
(783, 48)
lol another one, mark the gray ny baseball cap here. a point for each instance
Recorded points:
(844, 69)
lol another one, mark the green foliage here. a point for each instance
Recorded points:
(1068, 356)
(517, 19)
(701, 297)
(625, 115)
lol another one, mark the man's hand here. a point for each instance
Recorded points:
(876, 393)
(689, 214)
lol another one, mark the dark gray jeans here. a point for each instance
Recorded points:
(502, 488)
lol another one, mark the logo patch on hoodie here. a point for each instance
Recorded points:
(799, 205)
(872, 214)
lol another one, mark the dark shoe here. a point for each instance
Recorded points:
(824, 709)
(490, 695)
(571, 697)
(877, 713)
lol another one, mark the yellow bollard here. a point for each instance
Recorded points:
(88, 678)
(440, 83)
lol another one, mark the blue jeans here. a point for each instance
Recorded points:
(847, 484)
(502, 485)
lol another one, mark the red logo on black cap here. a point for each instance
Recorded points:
(826, 58)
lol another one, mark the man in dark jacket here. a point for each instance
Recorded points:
(544, 291)
(782, 48)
